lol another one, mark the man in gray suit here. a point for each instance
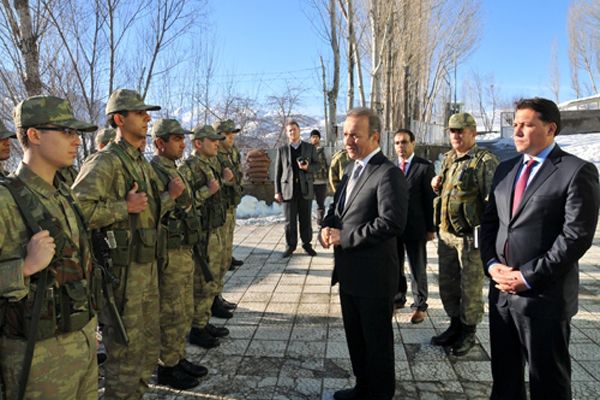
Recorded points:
(367, 215)
(294, 169)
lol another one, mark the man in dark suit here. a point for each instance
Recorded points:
(540, 220)
(367, 214)
(419, 223)
(294, 169)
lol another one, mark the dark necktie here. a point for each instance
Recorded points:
(403, 166)
(522, 185)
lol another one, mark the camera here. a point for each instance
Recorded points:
(302, 160)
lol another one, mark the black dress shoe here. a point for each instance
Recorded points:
(287, 253)
(217, 331)
(309, 250)
(175, 378)
(195, 370)
(201, 337)
(236, 263)
(350, 394)
(219, 311)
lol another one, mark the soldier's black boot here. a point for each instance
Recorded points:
(217, 331)
(175, 378)
(449, 336)
(465, 341)
(218, 310)
(202, 338)
(194, 370)
(227, 304)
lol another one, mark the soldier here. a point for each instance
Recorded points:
(320, 175)
(204, 175)
(462, 187)
(5, 136)
(104, 137)
(336, 170)
(121, 196)
(229, 156)
(181, 231)
(44, 244)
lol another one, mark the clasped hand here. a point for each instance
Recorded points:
(508, 279)
(329, 236)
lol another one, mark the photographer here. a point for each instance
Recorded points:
(294, 168)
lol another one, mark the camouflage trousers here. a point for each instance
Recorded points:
(128, 368)
(204, 292)
(228, 230)
(175, 284)
(460, 277)
(63, 367)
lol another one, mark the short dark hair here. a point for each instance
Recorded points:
(111, 118)
(374, 121)
(291, 122)
(406, 131)
(315, 132)
(547, 109)
(22, 137)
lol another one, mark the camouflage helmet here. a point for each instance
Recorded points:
(227, 126)
(207, 132)
(461, 121)
(105, 136)
(5, 133)
(127, 100)
(48, 110)
(165, 127)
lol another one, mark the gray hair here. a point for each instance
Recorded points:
(374, 121)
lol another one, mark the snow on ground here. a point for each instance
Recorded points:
(252, 211)
(583, 146)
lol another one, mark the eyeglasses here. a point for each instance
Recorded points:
(67, 131)
(459, 131)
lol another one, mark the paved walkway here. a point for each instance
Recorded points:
(287, 339)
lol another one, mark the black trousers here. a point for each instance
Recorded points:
(320, 195)
(543, 343)
(295, 210)
(417, 260)
(368, 327)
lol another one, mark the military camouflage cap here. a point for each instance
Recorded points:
(105, 136)
(207, 131)
(5, 133)
(227, 126)
(461, 121)
(165, 127)
(48, 110)
(127, 100)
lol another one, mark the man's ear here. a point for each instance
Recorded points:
(33, 135)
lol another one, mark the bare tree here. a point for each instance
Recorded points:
(284, 105)
(583, 24)
(485, 98)
(554, 72)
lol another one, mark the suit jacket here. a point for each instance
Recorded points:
(420, 199)
(547, 235)
(284, 173)
(366, 262)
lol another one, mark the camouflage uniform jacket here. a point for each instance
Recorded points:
(320, 177)
(338, 163)
(67, 175)
(199, 170)
(466, 184)
(2, 171)
(103, 183)
(183, 218)
(14, 236)
(232, 191)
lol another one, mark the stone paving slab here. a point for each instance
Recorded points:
(287, 340)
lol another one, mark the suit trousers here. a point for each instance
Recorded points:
(417, 260)
(297, 210)
(320, 195)
(368, 328)
(543, 343)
